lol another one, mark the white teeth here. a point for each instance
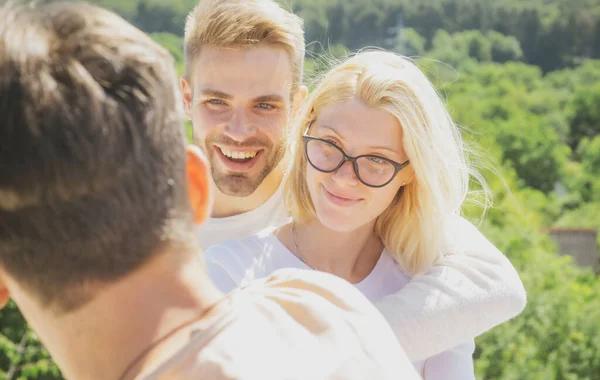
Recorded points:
(238, 155)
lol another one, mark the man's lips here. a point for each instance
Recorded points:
(238, 159)
(237, 153)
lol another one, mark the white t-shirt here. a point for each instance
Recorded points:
(311, 326)
(270, 213)
(238, 262)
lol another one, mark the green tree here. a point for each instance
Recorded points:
(584, 114)
(504, 48)
(410, 43)
(174, 44)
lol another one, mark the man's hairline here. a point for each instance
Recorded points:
(189, 61)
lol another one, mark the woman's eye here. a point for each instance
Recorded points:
(377, 160)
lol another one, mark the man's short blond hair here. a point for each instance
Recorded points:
(226, 23)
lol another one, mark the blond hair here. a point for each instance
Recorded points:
(414, 226)
(226, 23)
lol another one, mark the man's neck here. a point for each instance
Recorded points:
(227, 205)
(107, 335)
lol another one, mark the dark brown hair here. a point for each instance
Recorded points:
(92, 158)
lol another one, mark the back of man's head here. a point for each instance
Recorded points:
(92, 158)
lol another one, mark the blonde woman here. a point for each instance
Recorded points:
(375, 187)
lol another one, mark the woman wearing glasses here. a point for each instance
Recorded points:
(377, 178)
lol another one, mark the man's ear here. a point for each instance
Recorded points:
(299, 99)
(187, 94)
(199, 184)
(4, 293)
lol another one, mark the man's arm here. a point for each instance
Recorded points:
(465, 294)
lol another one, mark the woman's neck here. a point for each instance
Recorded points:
(351, 255)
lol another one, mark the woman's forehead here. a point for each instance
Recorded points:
(353, 121)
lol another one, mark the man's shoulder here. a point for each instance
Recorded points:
(293, 317)
(317, 285)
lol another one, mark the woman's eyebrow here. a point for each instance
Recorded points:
(385, 148)
(331, 129)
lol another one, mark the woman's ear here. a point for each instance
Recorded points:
(408, 175)
(199, 184)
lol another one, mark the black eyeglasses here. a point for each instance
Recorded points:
(371, 170)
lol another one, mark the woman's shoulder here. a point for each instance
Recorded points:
(393, 268)
(244, 259)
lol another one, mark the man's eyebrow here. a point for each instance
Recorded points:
(274, 98)
(215, 94)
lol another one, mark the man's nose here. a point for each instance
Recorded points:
(240, 128)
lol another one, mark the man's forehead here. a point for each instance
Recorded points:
(243, 71)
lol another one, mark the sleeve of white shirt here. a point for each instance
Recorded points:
(454, 364)
(466, 293)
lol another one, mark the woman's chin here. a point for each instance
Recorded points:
(337, 223)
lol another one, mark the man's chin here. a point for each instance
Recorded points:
(236, 185)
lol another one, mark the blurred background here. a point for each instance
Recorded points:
(523, 80)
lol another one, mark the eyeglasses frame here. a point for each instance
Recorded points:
(397, 166)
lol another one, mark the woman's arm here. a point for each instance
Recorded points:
(465, 294)
(454, 364)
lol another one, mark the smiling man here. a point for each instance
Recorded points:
(242, 119)
(242, 88)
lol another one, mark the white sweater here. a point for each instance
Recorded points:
(471, 290)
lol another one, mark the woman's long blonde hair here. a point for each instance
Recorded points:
(414, 226)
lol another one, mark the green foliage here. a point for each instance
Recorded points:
(501, 101)
(410, 43)
(174, 44)
(586, 216)
(458, 48)
(21, 351)
(552, 34)
(557, 336)
(584, 114)
(322, 59)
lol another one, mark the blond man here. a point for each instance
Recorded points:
(96, 243)
(242, 87)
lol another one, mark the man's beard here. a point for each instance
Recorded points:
(243, 184)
